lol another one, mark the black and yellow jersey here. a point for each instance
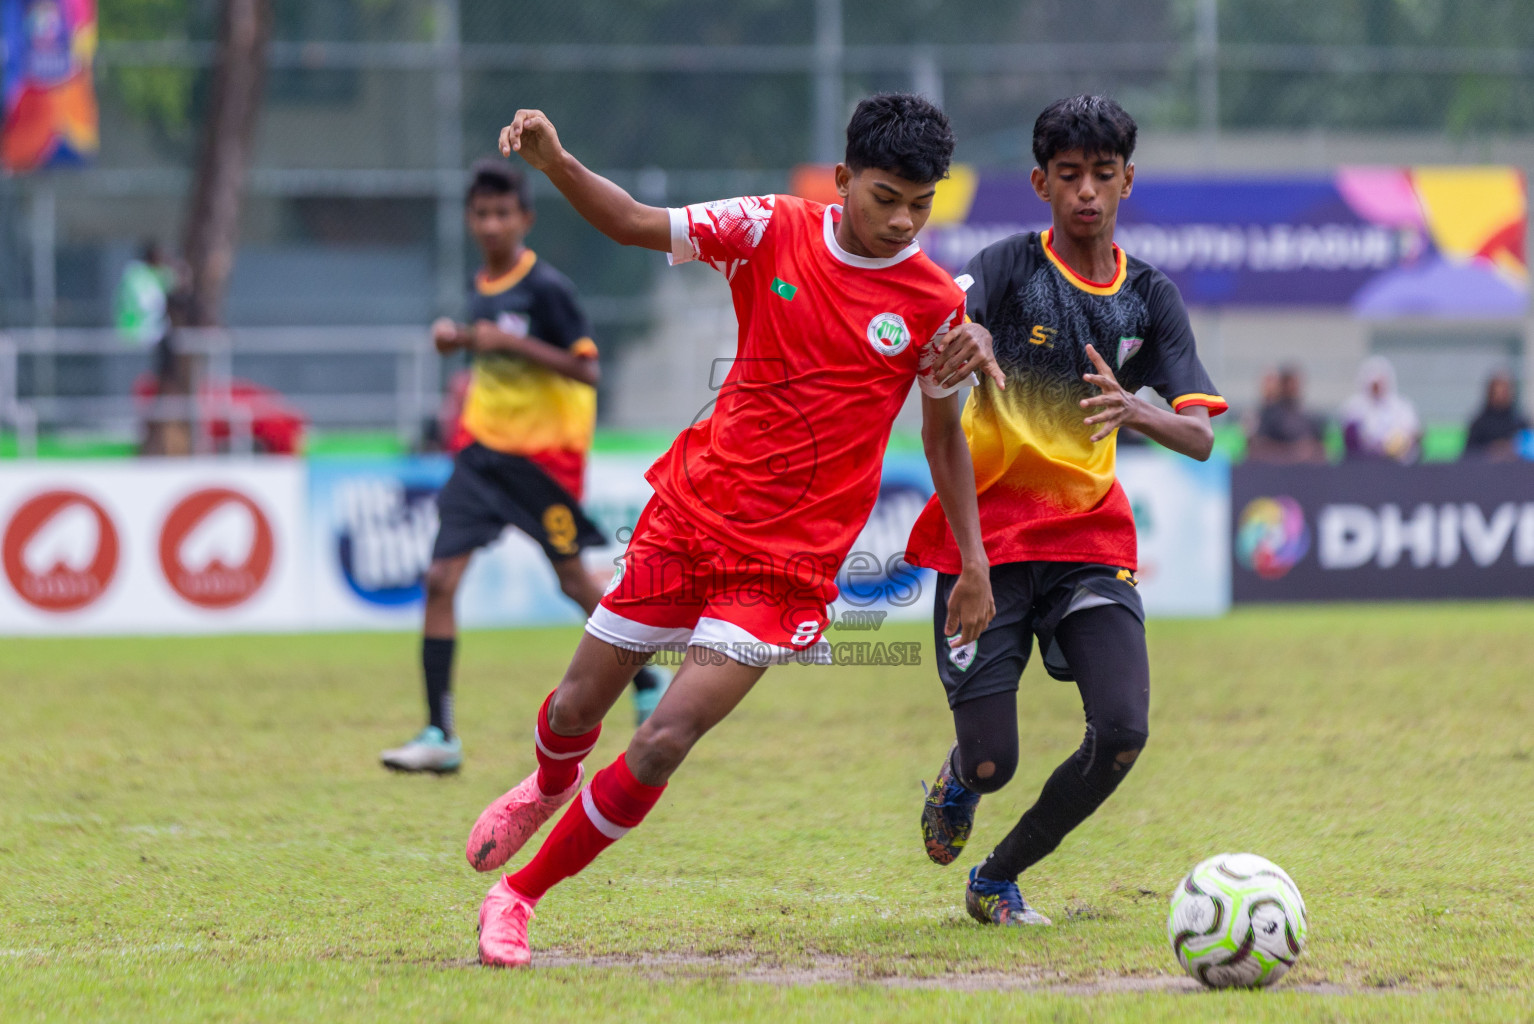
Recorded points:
(520, 407)
(1047, 492)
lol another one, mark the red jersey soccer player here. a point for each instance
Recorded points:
(755, 506)
(1079, 328)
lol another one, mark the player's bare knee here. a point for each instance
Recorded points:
(572, 576)
(1123, 748)
(657, 749)
(571, 713)
(442, 580)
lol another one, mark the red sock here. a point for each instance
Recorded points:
(612, 804)
(559, 757)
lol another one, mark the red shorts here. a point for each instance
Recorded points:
(677, 587)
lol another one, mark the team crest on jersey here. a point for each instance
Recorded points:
(1127, 348)
(888, 333)
(513, 323)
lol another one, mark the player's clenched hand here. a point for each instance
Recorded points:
(970, 607)
(532, 134)
(445, 335)
(962, 351)
(1118, 407)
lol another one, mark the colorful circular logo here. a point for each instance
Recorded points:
(60, 551)
(888, 333)
(1271, 536)
(216, 548)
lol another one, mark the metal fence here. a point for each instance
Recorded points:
(374, 107)
(336, 377)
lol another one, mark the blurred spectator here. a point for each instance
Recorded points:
(1494, 431)
(141, 306)
(1378, 422)
(1285, 432)
(150, 301)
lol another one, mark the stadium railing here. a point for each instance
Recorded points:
(280, 358)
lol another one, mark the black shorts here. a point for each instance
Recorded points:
(490, 490)
(1031, 600)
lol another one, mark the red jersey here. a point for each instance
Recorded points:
(785, 462)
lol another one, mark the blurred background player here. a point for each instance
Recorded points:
(1077, 325)
(521, 444)
(756, 505)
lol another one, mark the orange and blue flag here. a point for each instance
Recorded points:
(50, 114)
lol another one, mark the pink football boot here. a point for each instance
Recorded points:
(503, 921)
(510, 821)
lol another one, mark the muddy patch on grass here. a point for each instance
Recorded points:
(830, 970)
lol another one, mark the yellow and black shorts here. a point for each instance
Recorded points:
(491, 490)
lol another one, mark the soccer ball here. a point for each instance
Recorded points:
(1237, 921)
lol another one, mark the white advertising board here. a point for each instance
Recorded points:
(221, 545)
(1182, 516)
(151, 546)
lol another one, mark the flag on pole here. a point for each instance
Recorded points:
(49, 97)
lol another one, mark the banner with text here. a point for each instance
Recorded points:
(1382, 241)
(1381, 531)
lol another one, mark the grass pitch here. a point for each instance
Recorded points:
(195, 829)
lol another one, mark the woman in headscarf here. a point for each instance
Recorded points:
(1377, 422)
(1494, 431)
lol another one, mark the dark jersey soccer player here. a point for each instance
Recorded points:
(527, 425)
(757, 504)
(1078, 328)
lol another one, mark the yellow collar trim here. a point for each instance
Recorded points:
(1090, 287)
(494, 286)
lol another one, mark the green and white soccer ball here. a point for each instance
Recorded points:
(1237, 921)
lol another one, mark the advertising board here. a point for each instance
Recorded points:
(1380, 531)
(154, 546)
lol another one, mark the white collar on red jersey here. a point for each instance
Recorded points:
(865, 262)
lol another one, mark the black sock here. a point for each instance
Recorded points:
(646, 679)
(1065, 802)
(437, 666)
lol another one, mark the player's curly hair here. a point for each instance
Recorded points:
(902, 133)
(1096, 125)
(490, 176)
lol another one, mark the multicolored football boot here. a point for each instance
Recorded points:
(991, 902)
(947, 814)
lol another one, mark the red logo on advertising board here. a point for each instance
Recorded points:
(60, 551)
(216, 548)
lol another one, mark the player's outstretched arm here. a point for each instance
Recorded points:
(970, 605)
(605, 206)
